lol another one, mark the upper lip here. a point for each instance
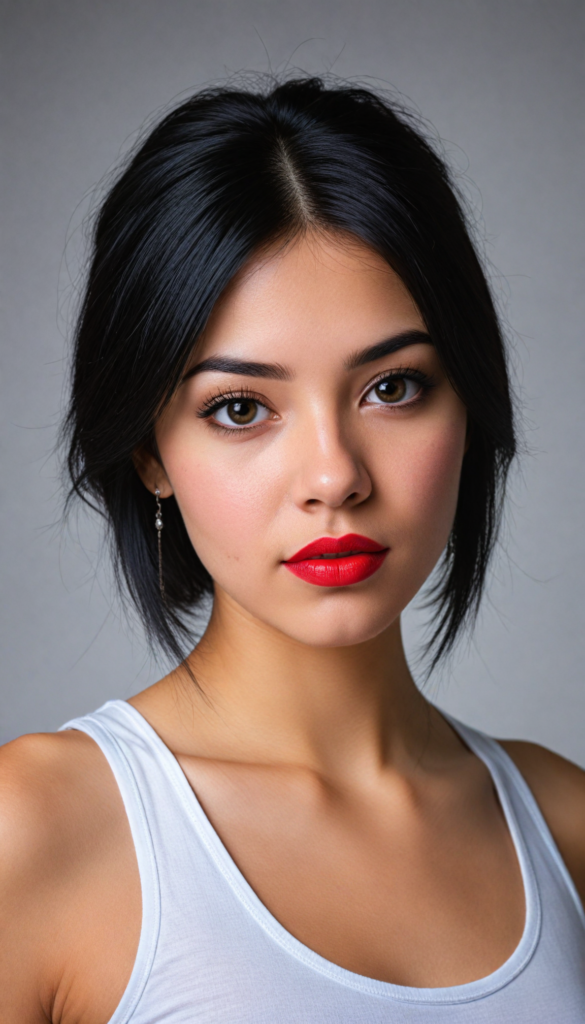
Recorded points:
(350, 543)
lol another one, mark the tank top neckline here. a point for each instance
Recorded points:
(487, 751)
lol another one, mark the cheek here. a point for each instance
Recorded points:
(228, 504)
(423, 486)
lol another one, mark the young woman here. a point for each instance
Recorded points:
(290, 393)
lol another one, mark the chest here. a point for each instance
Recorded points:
(415, 894)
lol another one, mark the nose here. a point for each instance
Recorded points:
(329, 469)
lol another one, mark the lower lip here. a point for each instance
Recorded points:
(338, 572)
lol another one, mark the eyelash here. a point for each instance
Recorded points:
(222, 398)
(426, 382)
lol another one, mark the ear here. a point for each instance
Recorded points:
(151, 472)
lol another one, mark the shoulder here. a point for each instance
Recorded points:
(50, 783)
(58, 809)
(44, 779)
(558, 787)
(46, 808)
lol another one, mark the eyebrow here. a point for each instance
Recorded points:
(387, 348)
(243, 367)
(275, 371)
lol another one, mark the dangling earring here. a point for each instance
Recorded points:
(158, 522)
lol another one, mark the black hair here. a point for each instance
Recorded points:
(219, 178)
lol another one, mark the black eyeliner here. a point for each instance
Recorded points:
(406, 373)
(222, 398)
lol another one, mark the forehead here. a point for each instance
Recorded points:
(319, 294)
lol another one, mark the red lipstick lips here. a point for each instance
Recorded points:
(337, 561)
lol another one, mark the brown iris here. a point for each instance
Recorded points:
(392, 390)
(242, 410)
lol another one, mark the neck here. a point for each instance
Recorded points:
(268, 698)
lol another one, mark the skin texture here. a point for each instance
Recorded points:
(318, 761)
(325, 464)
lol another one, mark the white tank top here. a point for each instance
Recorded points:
(211, 952)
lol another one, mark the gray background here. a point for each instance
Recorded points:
(502, 83)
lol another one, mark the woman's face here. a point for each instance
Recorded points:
(315, 408)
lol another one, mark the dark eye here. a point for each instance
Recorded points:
(393, 391)
(241, 412)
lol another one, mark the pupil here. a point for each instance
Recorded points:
(242, 411)
(391, 390)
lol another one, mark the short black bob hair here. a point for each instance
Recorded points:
(219, 178)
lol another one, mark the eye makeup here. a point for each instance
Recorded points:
(243, 397)
(422, 382)
(386, 388)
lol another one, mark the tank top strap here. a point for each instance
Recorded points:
(126, 752)
(516, 793)
(210, 951)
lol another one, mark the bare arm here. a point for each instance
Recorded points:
(558, 786)
(69, 888)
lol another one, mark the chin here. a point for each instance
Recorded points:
(337, 627)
